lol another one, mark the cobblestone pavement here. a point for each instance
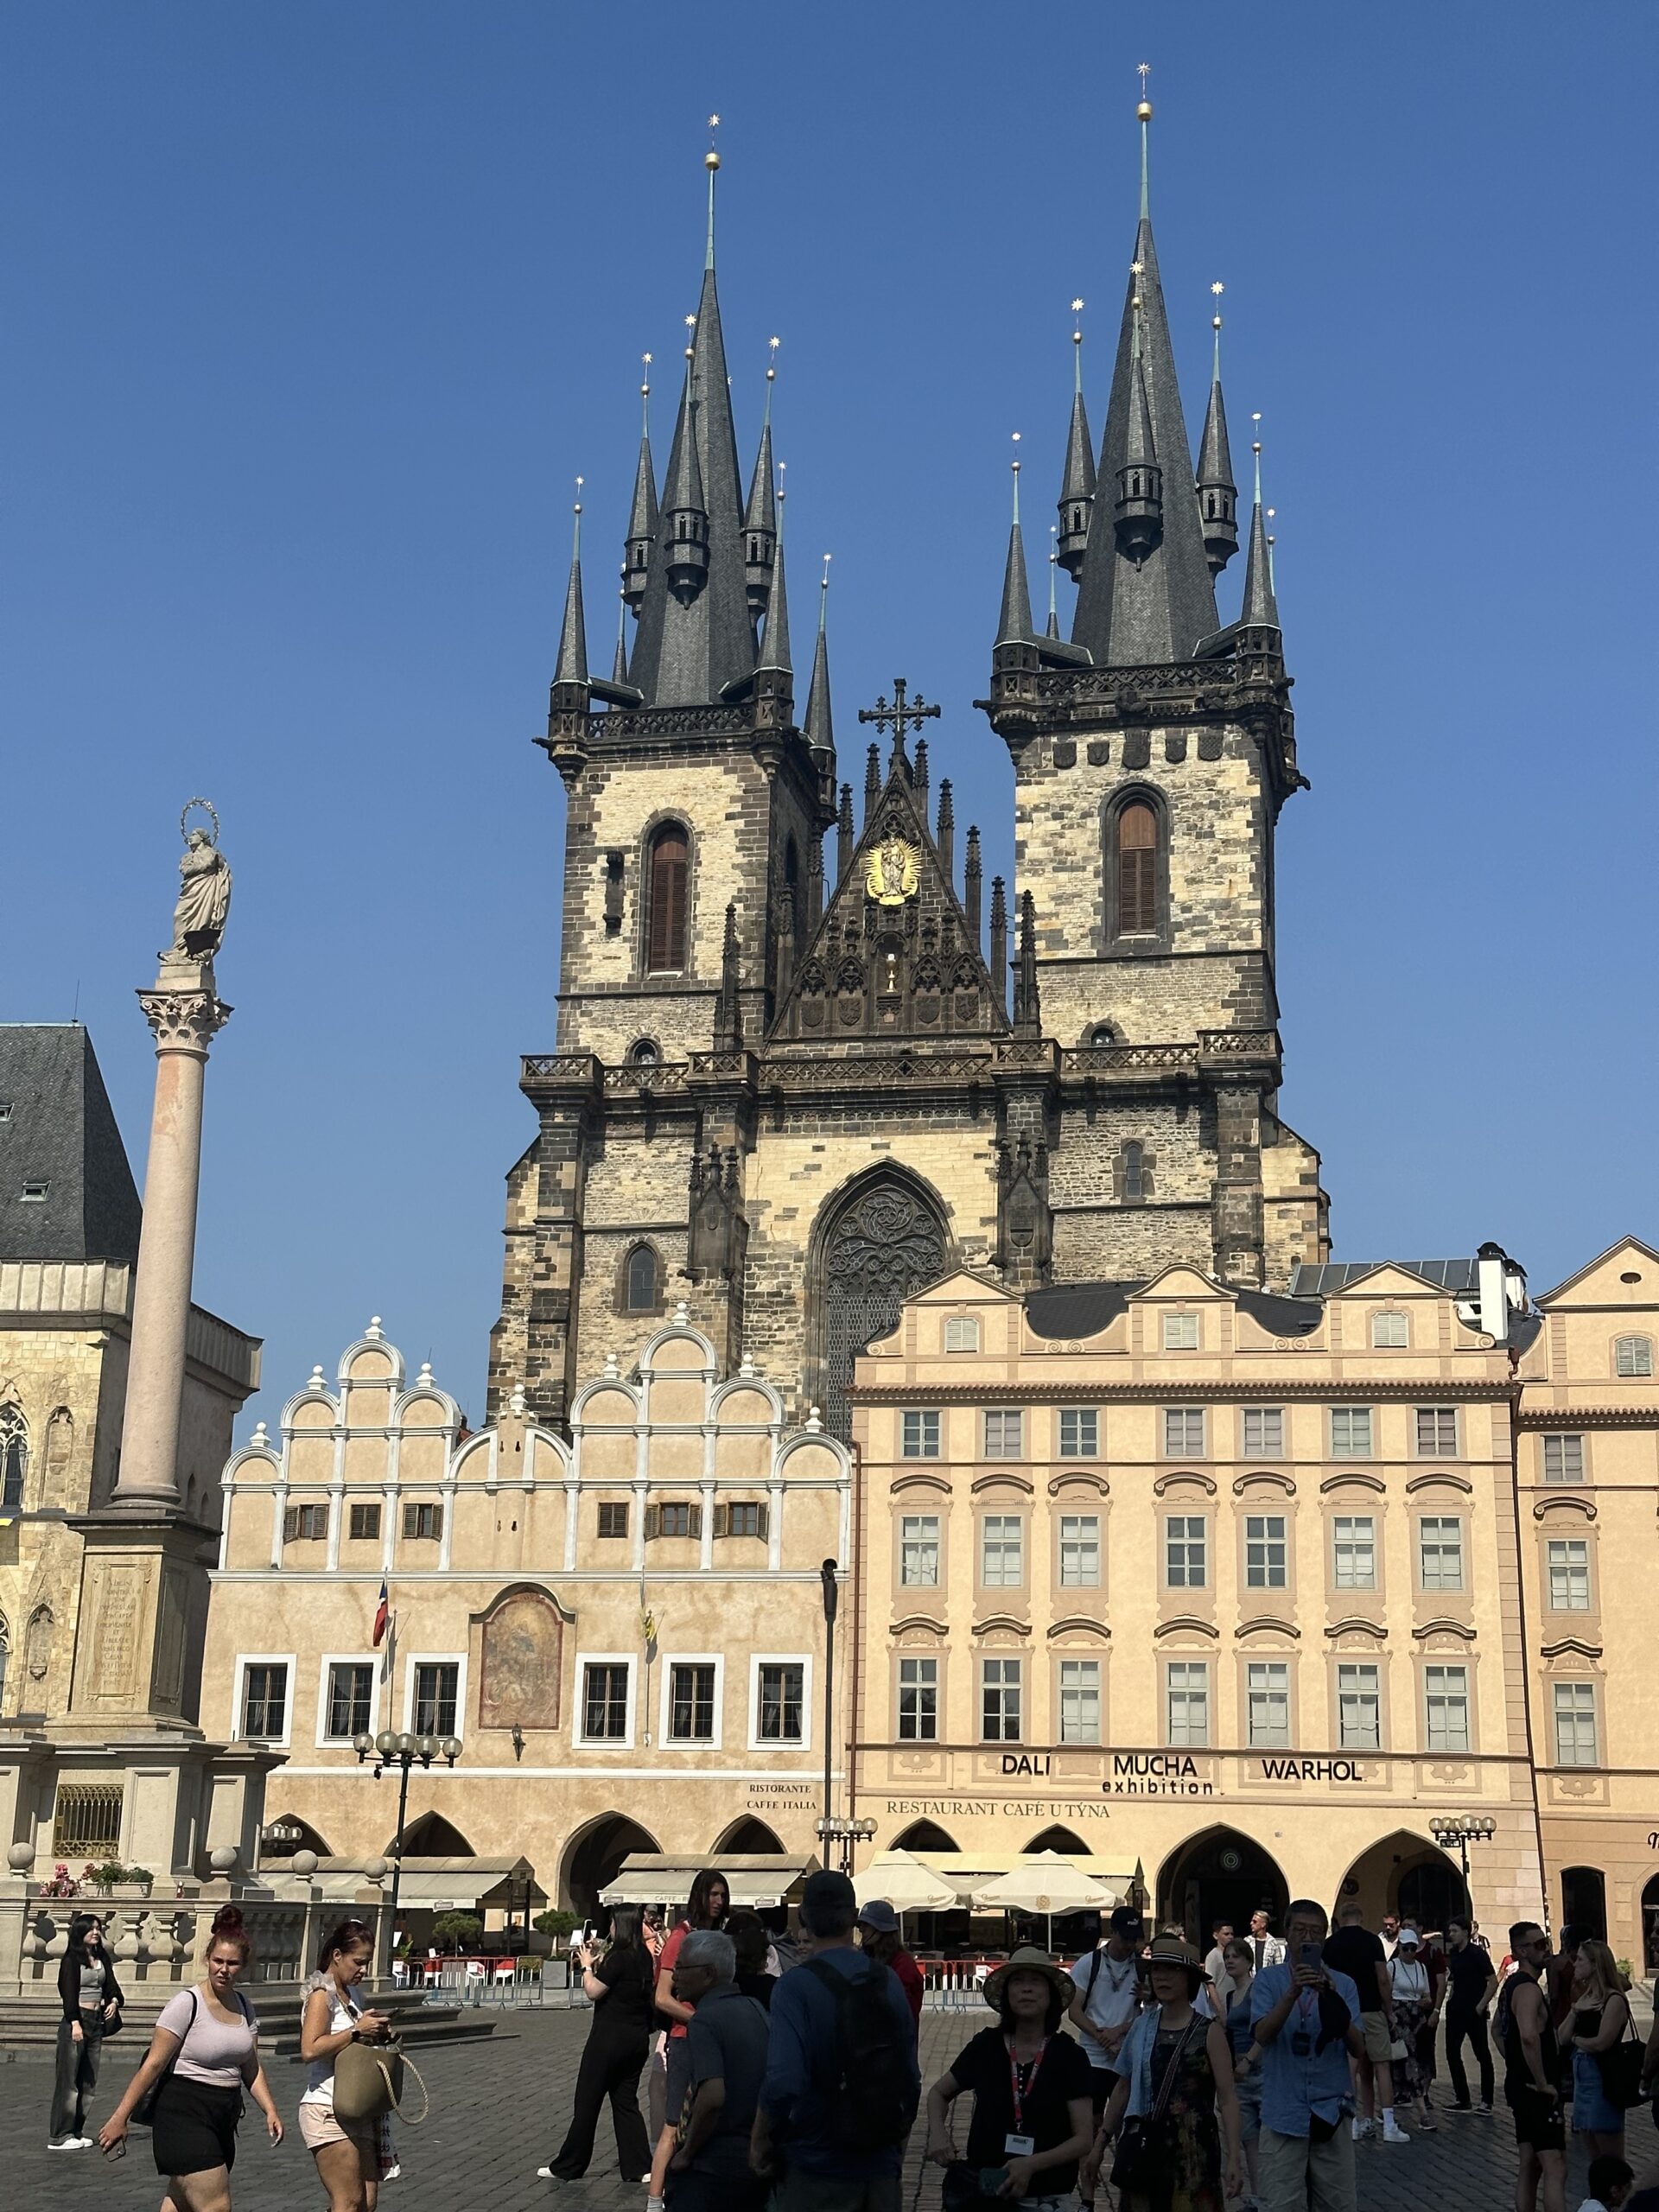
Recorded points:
(499, 2110)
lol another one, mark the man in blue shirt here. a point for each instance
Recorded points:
(795, 2127)
(1304, 2016)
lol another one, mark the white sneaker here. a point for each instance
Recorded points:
(1393, 2132)
(1361, 2129)
(394, 2171)
(72, 2143)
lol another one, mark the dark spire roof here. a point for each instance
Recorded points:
(1218, 493)
(1157, 612)
(760, 513)
(1051, 627)
(820, 724)
(573, 634)
(1261, 608)
(687, 652)
(642, 515)
(774, 648)
(619, 663)
(1013, 624)
(1077, 482)
(61, 1138)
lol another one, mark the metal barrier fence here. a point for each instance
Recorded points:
(953, 1984)
(505, 1983)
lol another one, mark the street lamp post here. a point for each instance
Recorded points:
(403, 1750)
(1462, 1829)
(844, 1835)
(831, 1601)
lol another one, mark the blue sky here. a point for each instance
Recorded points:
(313, 311)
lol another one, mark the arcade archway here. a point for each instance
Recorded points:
(1408, 1874)
(1066, 1841)
(748, 1839)
(431, 1836)
(1219, 1875)
(925, 1836)
(1584, 1900)
(593, 1856)
(1651, 1926)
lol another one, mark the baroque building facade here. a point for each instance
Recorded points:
(793, 1087)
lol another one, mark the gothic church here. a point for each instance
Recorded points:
(791, 1085)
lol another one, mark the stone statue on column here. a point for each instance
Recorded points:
(204, 893)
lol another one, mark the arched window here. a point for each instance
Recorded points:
(1135, 1188)
(642, 1052)
(639, 1289)
(1633, 1355)
(1137, 870)
(1390, 1332)
(1102, 1033)
(668, 879)
(14, 1458)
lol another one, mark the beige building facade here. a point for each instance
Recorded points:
(1220, 1584)
(624, 1628)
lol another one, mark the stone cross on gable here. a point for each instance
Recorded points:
(899, 714)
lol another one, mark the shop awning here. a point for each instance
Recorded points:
(907, 1884)
(1041, 1881)
(654, 1877)
(437, 1884)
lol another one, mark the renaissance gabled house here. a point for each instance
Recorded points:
(803, 1066)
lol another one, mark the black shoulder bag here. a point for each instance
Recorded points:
(144, 2111)
(1137, 2139)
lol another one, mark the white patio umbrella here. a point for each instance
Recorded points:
(906, 1883)
(1045, 1883)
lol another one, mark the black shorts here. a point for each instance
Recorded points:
(194, 2127)
(1102, 2082)
(1538, 2123)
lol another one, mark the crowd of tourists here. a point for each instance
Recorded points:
(783, 2074)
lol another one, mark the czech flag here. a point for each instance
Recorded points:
(382, 1615)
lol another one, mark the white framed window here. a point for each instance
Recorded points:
(780, 1701)
(1180, 1332)
(1002, 1551)
(1186, 1563)
(694, 1685)
(1004, 1434)
(424, 1523)
(1267, 1552)
(1440, 1552)
(1633, 1355)
(348, 1696)
(1353, 1551)
(919, 1435)
(962, 1333)
(1446, 1707)
(605, 1699)
(1350, 1432)
(1184, 1432)
(435, 1692)
(1576, 1742)
(1080, 1700)
(1390, 1332)
(363, 1523)
(1437, 1431)
(918, 1551)
(1563, 1458)
(1079, 1431)
(264, 1697)
(1000, 1700)
(918, 1700)
(1359, 1706)
(1264, 1432)
(1079, 1551)
(1267, 1696)
(1186, 1692)
(1569, 1560)
(305, 1524)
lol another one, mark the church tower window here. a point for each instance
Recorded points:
(1134, 1181)
(1137, 870)
(14, 1458)
(639, 1287)
(668, 879)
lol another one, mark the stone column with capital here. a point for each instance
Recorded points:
(185, 1011)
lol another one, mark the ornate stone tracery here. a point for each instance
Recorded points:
(885, 1242)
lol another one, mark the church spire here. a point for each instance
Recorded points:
(642, 516)
(1052, 628)
(1261, 609)
(819, 725)
(761, 515)
(619, 659)
(572, 668)
(1138, 517)
(1077, 483)
(1154, 609)
(1218, 493)
(684, 517)
(774, 644)
(1013, 624)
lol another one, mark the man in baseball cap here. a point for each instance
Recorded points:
(879, 1936)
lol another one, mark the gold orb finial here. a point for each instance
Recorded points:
(711, 159)
(1143, 111)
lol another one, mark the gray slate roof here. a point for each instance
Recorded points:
(1310, 1282)
(60, 1131)
(1080, 1309)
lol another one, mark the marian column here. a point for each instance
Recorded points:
(184, 1012)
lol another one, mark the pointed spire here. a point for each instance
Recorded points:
(871, 780)
(684, 517)
(970, 884)
(998, 946)
(1027, 1005)
(945, 836)
(1077, 483)
(820, 725)
(642, 516)
(1154, 610)
(729, 1012)
(620, 662)
(1218, 493)
(1260, 608)
(775, 646)
(1139, 517)
(845, 834)
(814, 880)
(1013, 624)
(1052, 628)
(573, 635)
(918, 775)
(761, 515)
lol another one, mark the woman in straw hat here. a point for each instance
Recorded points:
(1032, 2115)
(1176, 2080)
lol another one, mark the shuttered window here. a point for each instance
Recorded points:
(1137, 870)
(669, 881)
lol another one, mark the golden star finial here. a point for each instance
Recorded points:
(1137, 269)
(1218, 287)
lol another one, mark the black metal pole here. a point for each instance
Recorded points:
(831, 1597)
(397, 1852)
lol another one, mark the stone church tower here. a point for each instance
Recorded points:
(791, 1094)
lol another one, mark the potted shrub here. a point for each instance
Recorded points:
(456, 1931)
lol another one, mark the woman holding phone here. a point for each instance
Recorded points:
(348, 2152)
